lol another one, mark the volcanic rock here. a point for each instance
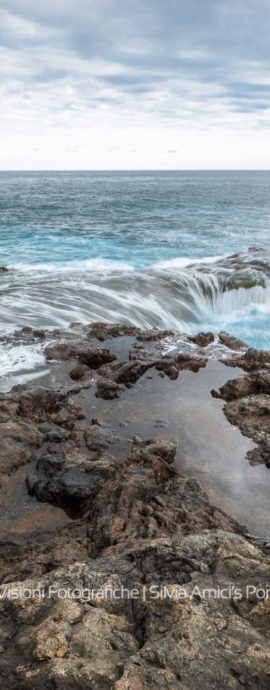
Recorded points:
(87, 354)
(203, 339)
(231, 342)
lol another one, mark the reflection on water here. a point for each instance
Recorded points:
(209, 448)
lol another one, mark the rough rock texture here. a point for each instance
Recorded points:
(107, 389)
(250, 361)
(122, 497)
(128, 373)
(134, 527)
(248, 403)
(18, 444)
(154, 334)
(103, 331)
(147, 642)
(87, 354)
(203, 339)
(231, 342)
(172, 366)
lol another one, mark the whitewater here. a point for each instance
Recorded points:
(181, 251)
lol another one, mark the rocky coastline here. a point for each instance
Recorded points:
(99, 506)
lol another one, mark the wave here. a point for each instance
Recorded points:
(183, 262)
(98, 265)
(17, 360)
(229, 292)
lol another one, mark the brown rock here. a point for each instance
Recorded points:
(87, 354)
(132, 371)
(231, 342)
(18, 443)
(203, 339)
(103, 331)
(107, 389)
(250, 361)
(171, 366)
(80, 372)
(154, 334)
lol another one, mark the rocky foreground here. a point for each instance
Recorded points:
(124, 593)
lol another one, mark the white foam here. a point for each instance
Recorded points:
(20, 358)
(98, 265)
(183, 262)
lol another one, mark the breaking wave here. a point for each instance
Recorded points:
(215, 293)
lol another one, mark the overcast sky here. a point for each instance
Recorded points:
(134, 84)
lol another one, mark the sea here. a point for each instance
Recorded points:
(188, 251)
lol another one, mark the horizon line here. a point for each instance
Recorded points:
(129, 170)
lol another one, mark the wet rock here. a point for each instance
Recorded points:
(203, 339)
(61, 351)
(244, 386)
(54, 434)
(19, 442)
(30, 334)
(150, 502)
(137, 352)
(231, 342)
(94, 357)
(39, 403)
(27, 335)
(171, 366)
(130, 372)
(71, 482)
(252, 416)
(260, 454)
(103, 331)
(154, 334)
(87, 354)
(163, 449)
(135, 522)
(49, 464)
(80, 372)
(107, 389)
(248, 407)
(98, 437)
(250, 361)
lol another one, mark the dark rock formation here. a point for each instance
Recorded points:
(152, 641)
(252, 360)
(202, 339)
(248, 404)
(134, 527)
(107, 389)
(87, 354)
(18, 444)
(154, 334)
(103, 331)
(171, 366)
(245, 386)
(231, 342)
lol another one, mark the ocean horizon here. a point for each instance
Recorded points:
(185, 250)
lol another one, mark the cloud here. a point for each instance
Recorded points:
(105, 66)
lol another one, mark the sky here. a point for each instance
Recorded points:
(134, 84)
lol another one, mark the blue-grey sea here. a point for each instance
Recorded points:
(181, 250)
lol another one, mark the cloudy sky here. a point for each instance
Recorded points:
(134, 84)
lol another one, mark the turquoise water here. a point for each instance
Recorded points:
(187, 250)
(138, 218)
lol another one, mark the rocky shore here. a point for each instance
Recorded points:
(118, 572)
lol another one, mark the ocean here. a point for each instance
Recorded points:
(180, 250)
